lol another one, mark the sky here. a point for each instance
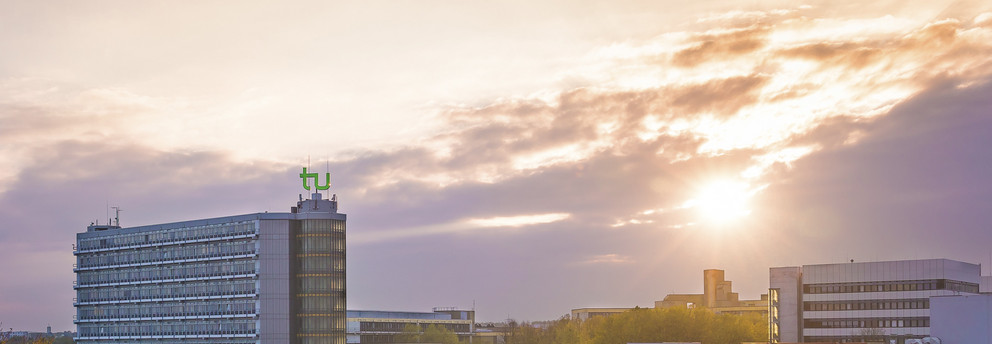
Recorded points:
(524, 157)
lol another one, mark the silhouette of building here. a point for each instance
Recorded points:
(718, 295)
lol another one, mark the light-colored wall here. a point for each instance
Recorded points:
(273, 272)
(963, 319)
(986, 285)
(788, 281)
(904, 270)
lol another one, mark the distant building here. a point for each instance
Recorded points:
(866, 302)
(586, 313)
(718, 296)
(373, 327)
(256, 278)
(491, 333)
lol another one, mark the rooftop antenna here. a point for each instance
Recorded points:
(117, 216)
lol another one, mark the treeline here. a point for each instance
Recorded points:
(645, 325)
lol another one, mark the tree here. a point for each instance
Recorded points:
(431, 334)
(411, 334)
(438, 334)
(645, 325)
(4, 336)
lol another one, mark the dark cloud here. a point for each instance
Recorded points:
(914, 187)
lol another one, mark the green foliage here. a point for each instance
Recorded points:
(438, 334)
(432, 334)
(646, 325)
(411, 334)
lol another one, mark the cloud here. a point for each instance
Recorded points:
(720, 45)
(611, 258)
(520, 220)
(798, 108)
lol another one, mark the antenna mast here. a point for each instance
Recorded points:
(117, 216)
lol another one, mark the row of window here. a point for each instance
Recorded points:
(321, 284)
(166, 253)
(867, 323)
(321, 323)
(375, 326)
(248, 340)
(321, 243)
(868, 287)
(320, 303)
(316, 226)
(167, 328)
(867, 305)
(168, 235)
(336, 339)
(153, 273)
(325, 264)
(168, 291)
(176, 309)
(861, 338)
(962, 287)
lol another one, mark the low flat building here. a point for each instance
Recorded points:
(372, 327)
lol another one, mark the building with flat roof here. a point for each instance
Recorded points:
(592, 312)
(255, 278)
(718, 296)
(372, 327)
(863, 302)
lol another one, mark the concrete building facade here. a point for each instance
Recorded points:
(255, 278)
(859, 302)
(374, 327)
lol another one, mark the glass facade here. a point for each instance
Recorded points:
(319, 281)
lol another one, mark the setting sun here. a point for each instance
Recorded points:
(722, 201)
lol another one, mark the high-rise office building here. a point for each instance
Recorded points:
(858, 302)
(255, 278)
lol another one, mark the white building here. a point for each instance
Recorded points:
(963, 319)
(858, 302)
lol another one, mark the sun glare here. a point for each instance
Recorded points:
(722, 201)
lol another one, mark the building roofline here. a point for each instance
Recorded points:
(213, 221)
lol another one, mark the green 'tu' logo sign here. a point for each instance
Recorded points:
(316, 182)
